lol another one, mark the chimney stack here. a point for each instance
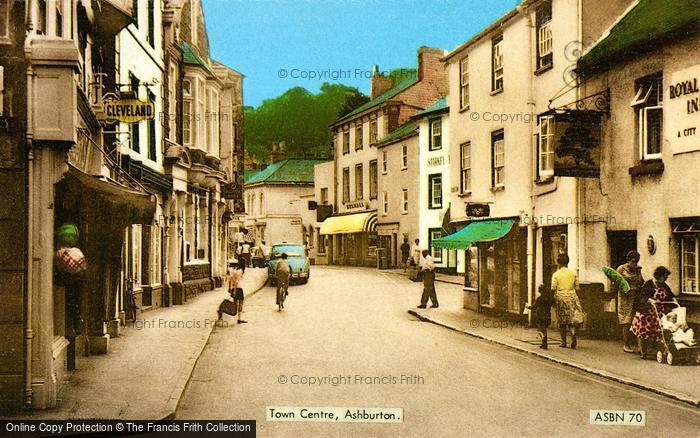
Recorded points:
(379, 84)
(431, 69)
(277, 153)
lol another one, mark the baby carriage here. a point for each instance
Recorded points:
(677, 343)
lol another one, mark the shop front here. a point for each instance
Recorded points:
(495, 253)
(353, 239)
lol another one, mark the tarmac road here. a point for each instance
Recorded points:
(350, 326)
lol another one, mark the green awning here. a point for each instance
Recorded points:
(480, 231)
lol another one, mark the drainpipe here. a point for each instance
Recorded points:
(531, 228)
(28, 330)
(578, 187)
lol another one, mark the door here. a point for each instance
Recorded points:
(619, 244)
(554, 242)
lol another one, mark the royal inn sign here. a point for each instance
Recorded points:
(682, 104)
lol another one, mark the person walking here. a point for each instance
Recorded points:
(632, 272)
(245, 253)
(428, 269)
(645, 325)
(282, 274)
(415, 253)
(543, 313)
(236, 292)
(569, 312)
(405, 253)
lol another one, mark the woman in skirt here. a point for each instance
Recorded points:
(645, 325)
(569, 312)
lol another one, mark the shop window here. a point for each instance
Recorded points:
(435, 191)
(373, 179)
(497, 64)
(435, 134)
(690, 265)
(359, 182)
(543, 23)
(648, 105)
(472, 265)
(436, 253)
(546, 147)
(497, 159)
(466, 168)
(464, 83)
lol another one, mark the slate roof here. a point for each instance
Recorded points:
(289, 171)
(439, 105)
(403, 131)
(411, 77)
(190, 57)
(642, 26)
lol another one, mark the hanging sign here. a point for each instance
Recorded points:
(129, 110)
(576, 143)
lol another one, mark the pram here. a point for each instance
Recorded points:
(668, 350)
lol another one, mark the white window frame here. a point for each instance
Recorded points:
(346, 184)
(172, 102)
(499, 163)
(136, 255)
(385, 203)
(466, 167)
(187, 112)
(643, 107)
(435, 181)
(435, 253)
(688, 284)
(497, 65)
(385, 165)
(546, 147)
(404, 201)
(404, 157)
(464, 83)
(545, 39)
(435, 134)
(359, 182)
(156, 248)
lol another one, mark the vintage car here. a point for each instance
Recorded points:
(297, 258)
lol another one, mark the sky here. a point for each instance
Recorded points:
(280, 44)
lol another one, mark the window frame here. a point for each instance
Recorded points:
(135, 128)
(359, 182)
(404, 156)
(696, 249)
(497, 64)
(172, 102)
(432, 179)
(323, 194)
(346, 141)
(543, 35)
(373, 132)
(436, 258)
(385, 203)
(464, 83)
(545, 138)
(7, 21)
(465, 177)
(373, 179)
(498, 178)
(431, 142)
(385, 163)
(359, 137)
(346, 184)
(404, 201)
(648, 98)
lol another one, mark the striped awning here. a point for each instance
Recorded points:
(350, 223)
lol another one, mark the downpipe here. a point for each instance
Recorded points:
(29, 281)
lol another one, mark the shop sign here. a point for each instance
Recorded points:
(323, 211)
(576, 143)
(478, 210)
(129, 110)
(682, 110)
(295, 221)
(356, 205)
(230, 191)
(436, 161)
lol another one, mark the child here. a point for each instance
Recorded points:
(680, 333)
(542, 312)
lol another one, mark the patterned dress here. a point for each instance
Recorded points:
(564, 285)
(645, 323)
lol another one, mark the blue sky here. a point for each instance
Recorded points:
(280, 44)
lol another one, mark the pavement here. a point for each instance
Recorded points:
(603, 358)
(148, 366)
(345, 340)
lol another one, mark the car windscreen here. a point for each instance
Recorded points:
(290, 250)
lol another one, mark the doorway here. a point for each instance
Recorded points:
(619, 244)
(554, 242)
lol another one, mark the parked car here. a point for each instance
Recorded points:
(297, 258)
